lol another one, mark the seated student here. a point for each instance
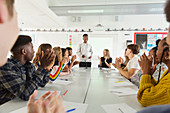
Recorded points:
(106, 60)
(65, 56)
(156, 65)
(132, 67)
(19, 78)
(161, 108)
(44, 48)
(151, 56)
(163, 65)
(60, 62)
(9, 31)
(152, 92)
(71, 64)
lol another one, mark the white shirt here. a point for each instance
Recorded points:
(84, 49)
(133, 63)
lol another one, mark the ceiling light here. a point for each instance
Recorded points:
(85, 11)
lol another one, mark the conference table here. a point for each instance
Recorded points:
(89, 86)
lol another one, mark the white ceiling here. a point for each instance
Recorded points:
(49, 13)
(35, 14)
(99, 2)
(118, 9)
(109, 7)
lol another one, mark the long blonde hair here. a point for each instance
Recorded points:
(58, 53)
(107, 52)
(42, 47)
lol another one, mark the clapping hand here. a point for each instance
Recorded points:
(73, 58)
(47, 59)
(83, 56)
(45, 104)
(99, 58)
(89, 57)
(117, 63)
(146, 65)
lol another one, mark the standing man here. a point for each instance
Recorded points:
(85, 52)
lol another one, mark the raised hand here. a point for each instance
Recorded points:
(83, 56)
(52, 104)
(121, 60)
(64, 60)
(118, 63)
(145, 64)
(47, 59)
(99, 58)
(89, 57)
(73, 58)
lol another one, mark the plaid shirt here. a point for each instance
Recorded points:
(15, 82)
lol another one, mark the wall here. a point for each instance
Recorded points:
(116, 43)
(123, 21)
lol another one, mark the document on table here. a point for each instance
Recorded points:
(106, 69)
(122, 83)
(42, 92)
(78, 108)
(21, 110)
(118, 108)
(123, 91)
(114, 76)
(62, 82)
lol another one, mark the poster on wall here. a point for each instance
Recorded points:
(147, 40)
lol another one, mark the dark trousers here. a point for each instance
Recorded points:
(85, 64)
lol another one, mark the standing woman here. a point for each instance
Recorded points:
(106, 60)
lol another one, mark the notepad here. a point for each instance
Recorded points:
(62, 82)
(118, 108)
(21, 110)
(123, 91)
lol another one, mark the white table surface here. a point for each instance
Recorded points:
(90, 86)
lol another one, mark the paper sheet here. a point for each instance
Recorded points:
(118, 108)
(41, 92)
(106, 69)
(82, 70)
(114, 76)
(21, 110)
(62, 82)
(80, 108)
(122, 83)
(123, 91)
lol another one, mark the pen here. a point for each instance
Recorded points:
(65, 93)
(70, 110)
(120, 110)
(116, 92)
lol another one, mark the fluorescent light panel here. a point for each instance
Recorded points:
(85, 11)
